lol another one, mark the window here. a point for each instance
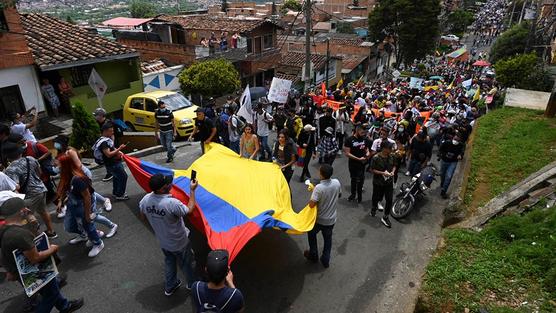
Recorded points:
(150, 105)
(258, 45)
(10, 101)
(249, 45)
(3, 22)
(136, 103)
(268, 42)
(80, 75)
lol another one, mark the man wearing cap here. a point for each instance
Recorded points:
(26, 172)
(112, 158)
(219, 294)
(204, 129)
(100, 117)
(14, 235)
(324, 197)
(164, 123)
(307, 140)
(165, 215)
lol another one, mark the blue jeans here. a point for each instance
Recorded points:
(234, 145)
(120, 178)
(414, 167)
(265, 148)
(166, 139)
(184, 259)
(313, 248)
(447, 170)
(51, 297)
(74, 222)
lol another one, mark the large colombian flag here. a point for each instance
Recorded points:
(236, 197)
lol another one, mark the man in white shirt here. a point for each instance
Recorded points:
(18, 127)
(263, 119)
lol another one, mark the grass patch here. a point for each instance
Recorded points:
(510, 144)
(508, 267)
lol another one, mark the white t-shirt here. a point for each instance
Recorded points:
(6, 183)
(262, 125)
(22, 130)
(377, 142)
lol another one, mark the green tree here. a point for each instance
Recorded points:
(293, 5)
(85, 130)
(523, 71)
(69, 19)
(345, 28)
(510, 43)
(210, 78)
(459, 20)
(414, 23)
(141, 9)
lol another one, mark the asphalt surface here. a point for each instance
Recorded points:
(373, 269)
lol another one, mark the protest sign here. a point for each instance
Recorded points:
(279, 90)
(416, 83)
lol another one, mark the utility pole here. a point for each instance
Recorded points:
(512, 15)
(307, 77)
(327, 59)
(522, 11)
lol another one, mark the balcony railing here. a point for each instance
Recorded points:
(238, 54)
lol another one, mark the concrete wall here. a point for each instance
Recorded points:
(528, 99)
(26, 78)
(123, 78)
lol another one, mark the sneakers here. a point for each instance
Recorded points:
(62, 213)
(443, 194)
(112, 231)
(373, 212)
(380, 207)
(169, 160)
(122, 198)
(107, 177)
(307, 255)
(384, 220)
(96, 250)
(407, 173)
(351, 198)
(90, 243)
(73, 306)
(51, 235)
(170, 292)
(107, 205)
(77, 240)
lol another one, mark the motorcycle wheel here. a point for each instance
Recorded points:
(402, 207)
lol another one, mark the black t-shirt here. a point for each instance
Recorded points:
(450, 152)
(358, 147)
(109, 160)
(164, 117)
(78, 184)
(418, 148)
(205, 129)
(225, 300)
(14, 237)
(382, 164)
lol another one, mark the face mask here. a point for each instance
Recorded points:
(455, 142)
(57, 146)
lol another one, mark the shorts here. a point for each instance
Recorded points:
(36, 202)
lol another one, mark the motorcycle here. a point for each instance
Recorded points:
(413, 190)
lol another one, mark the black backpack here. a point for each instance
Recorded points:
(210, 307)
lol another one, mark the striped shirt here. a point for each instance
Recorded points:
(164, 118)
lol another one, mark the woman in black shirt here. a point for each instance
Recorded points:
(283, 154)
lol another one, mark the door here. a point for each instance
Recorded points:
(10, 101)
(137, 113)
(150, 107)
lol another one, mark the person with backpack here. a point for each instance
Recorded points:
(26, 172)
(164, 125)
(293, 125)
(235, 129)
(219, 294)
(106, 153)
(14, 235)
(222, 126)
(100, 117)
(263, 121)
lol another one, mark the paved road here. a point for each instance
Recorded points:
(373, 269)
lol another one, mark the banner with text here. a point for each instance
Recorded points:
(279, 90)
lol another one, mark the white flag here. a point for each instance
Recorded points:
(467, 83)
(97, 84)
(246, 110)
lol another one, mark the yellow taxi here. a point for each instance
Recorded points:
(139, 111)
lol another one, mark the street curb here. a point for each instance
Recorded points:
(143, 152)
